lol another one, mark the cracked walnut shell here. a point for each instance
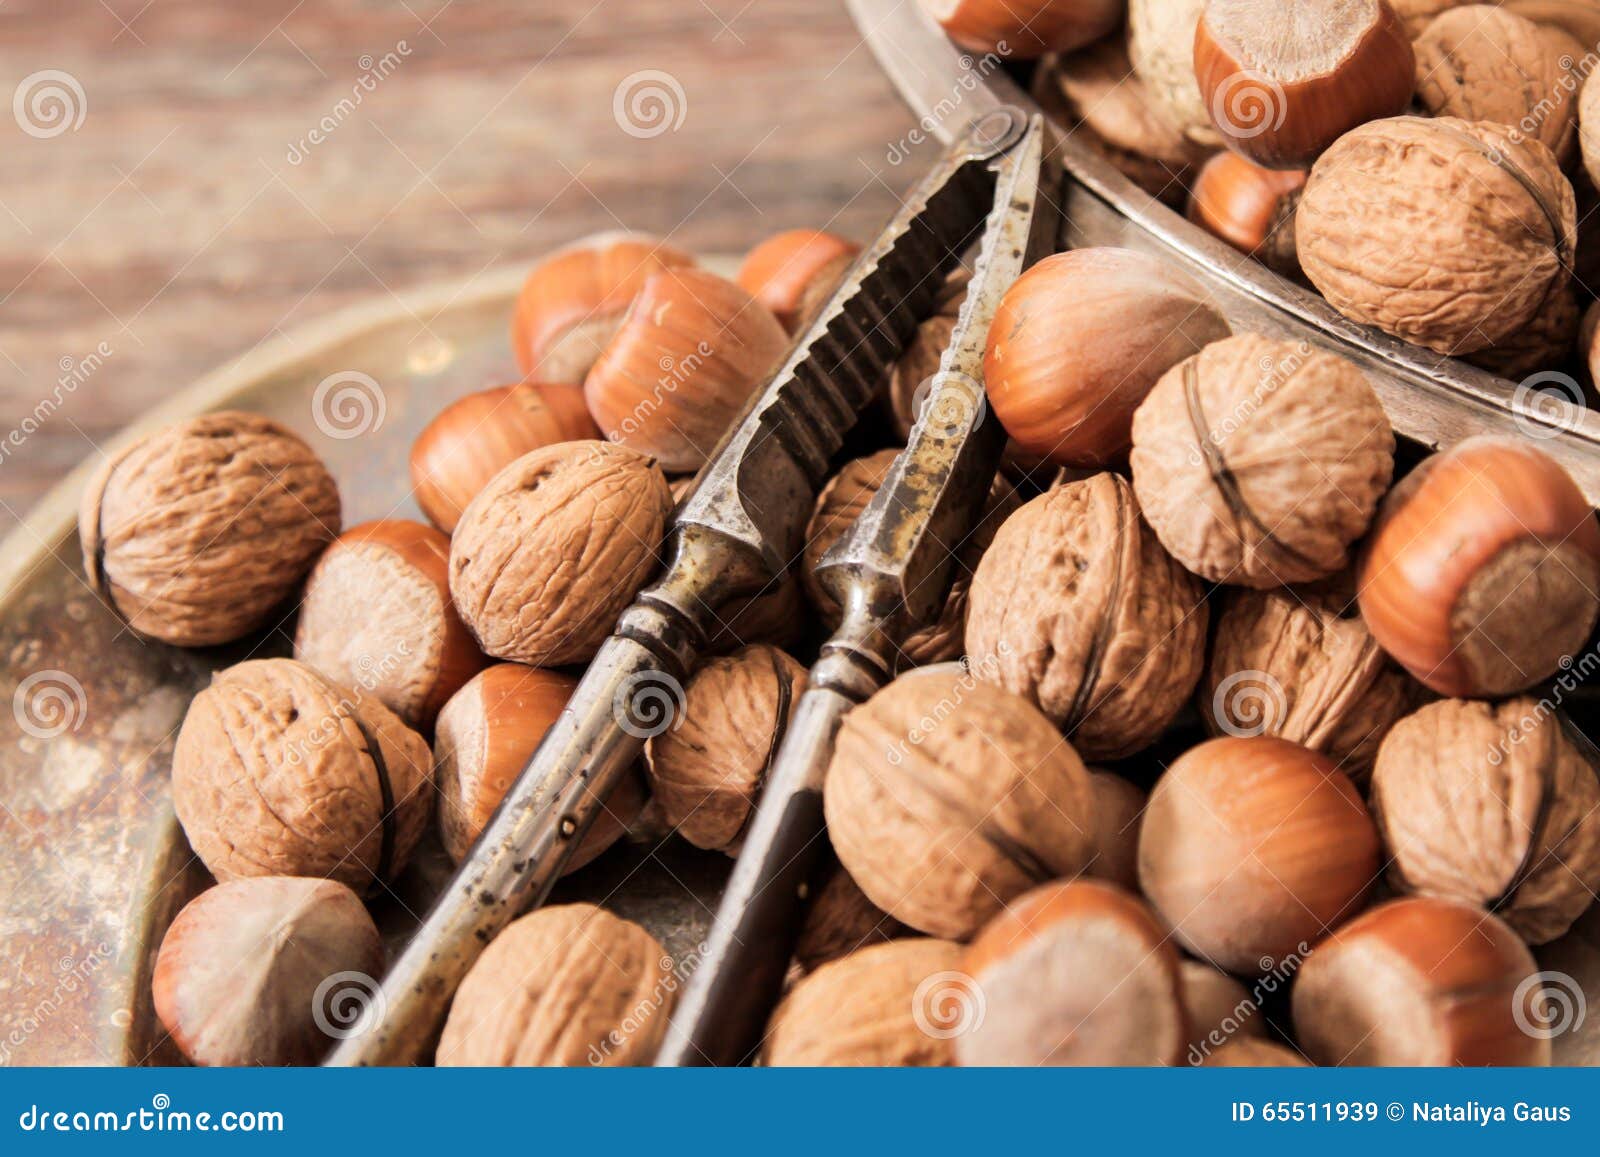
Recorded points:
(1077, 608)
(569, 985)
(1260, 462)
(1492, 804)
(947, 797)
(278, 771)
(553, 549)
(1452, 234)
(196, 533)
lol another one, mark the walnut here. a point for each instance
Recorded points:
(278, 771)
(1078, 609)
(1481, 63)
(1548, 340)
(1492, 804)
(1299, 663)
(707, 769)
(1161, 44)
(1260, 462)
(884, 1005)
(196, 533)
(553, 549)
(947, 797)
(920, 361)
(261, 971)
(841, 920)
(1416, 15)
(1448, 233)
(569, 985)
(838, 506)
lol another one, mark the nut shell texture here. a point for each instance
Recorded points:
(1259, 462)
(1161, 43)
(273, 774)
(569, 985)
(1078, 609)
(553, 549)
(197, 532)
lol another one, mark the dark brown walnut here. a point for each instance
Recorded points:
(1299, 663)
(1078, 609)
(1481, 63)
(1161, 46)
(1096, 92)
(895, 1004)
(838, 506)
(196, 533)
(278, 771)
(1495, 805)
(1545, 342)
(570, 985)
(262, 971)
(841, 920)
(1219, 1010)
(920, 361)
(1118, 808)
(1452, 234)
(1259, 462)
(552, 550)
(1249, 1053)
(708, 767)
(947, 797)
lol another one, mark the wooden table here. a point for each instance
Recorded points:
(232, 170)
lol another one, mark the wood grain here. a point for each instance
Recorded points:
(191, 214)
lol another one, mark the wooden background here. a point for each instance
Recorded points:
(188, 215)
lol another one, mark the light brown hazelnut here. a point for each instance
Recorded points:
(1452, 234)
(708, 767)
(841, 920)
(278, 771)
(1300, 663)
(1251, 208)
(1078, 609)
(947, 797)
(376, 616)
(1254, 849)
(885, 1005)
(195, 534)
(1161, 44)
(1218, 1008)
(839, 505)
(1492, 804)
(1118, 810)
(555, 547)
(1259, 462)
(1249, 1053)
(1076, 973)
(485, 736)
(265, 971)
(795, 272)
(1420, 981)
(569, 985)
(1023, 29)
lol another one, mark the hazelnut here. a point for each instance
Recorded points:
(1249, 1053)
(707, 769)
(1079, 340)
(841, 920)
(195, 534)
(1251, 208)
(1548, 340)
(947, 797)
(1076, 608)
(1218, 1009)
(1448, 233)
(573, 301)
(920, 361)
(687, 356)
(1161, 44)
(839, 505)
(376, 616)
(278, 771)
(477, 436)
(1253, 849)
(1118, 809)
(1259, 462)
(1283, 82)
(1300, 664)
(569, 985)
(263, 971)
(1420, 981)
(1024, 29)
(1494, 805)
(1481, 573)
(553, 549)
(794, 273)
(485, 736)
(1077, 973)
(1481, 63)
(884, 1005)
